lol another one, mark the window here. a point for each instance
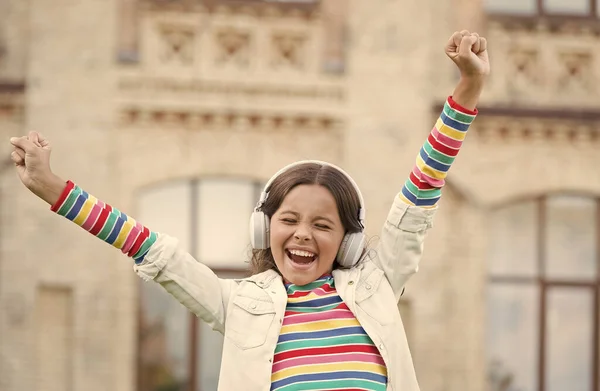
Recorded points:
(525, 7)
(543, 7)
(177, 351)
(54, 340)
(544, 296)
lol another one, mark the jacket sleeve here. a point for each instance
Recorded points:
(192, 283)
(156, 257)
(401, 245)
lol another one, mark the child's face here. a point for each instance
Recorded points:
(306, 233)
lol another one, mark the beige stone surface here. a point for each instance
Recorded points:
(241, 92)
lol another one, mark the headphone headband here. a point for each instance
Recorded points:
(265, 193)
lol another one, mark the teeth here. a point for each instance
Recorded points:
(302, 253)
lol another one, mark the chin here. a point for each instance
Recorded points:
(300, 280)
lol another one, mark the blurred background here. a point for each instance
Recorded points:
(178, 111)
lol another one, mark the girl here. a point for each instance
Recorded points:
(319, 312)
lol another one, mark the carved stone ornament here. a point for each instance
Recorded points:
(288, 50)
(177, 44)
(525, 66)
(576, 70)
(233, 46)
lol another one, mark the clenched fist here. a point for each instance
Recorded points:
(31, 155)
(469, 52)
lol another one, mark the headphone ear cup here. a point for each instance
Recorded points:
(259, 231)
(351, 249)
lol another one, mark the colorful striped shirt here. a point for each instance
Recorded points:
(105, 222)
(322, 346)
(423, 188)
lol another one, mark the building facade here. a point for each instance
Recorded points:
(178, 111)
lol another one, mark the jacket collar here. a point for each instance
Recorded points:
(266, 278)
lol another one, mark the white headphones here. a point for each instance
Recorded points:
(353, 243)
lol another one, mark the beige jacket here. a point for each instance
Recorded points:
(249, 312)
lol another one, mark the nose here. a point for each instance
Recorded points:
(302, 233)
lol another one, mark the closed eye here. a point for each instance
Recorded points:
(322, 226)
(288, 221)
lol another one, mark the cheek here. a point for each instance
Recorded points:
(328, 246)
(278, 234)
(330, 242)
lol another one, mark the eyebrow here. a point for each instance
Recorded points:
(316, 218)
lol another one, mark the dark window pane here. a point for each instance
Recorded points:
(571, 238)
(210, 349)
(524, 7)
(512, 337)
(164, 323)
(164, 340)
(569, 348)
(165, 334)
(513, 240)
(570, 7)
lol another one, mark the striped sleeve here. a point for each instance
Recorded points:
(423, 187)
(105, 222)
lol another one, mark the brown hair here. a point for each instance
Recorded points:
(337, 183)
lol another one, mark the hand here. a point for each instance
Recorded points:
(31, 155)
(469, 53)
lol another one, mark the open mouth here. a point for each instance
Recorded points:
(301, 258)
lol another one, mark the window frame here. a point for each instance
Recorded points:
(193, 380)
(545, 284)
(541, 12)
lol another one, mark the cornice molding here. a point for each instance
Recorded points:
(259, 8)
(556, 24)
(164, 85)
(134, 116)
(496, 123)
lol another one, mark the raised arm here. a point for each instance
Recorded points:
(156, 256)
(423, 188)
(105, 222)
(401, 245)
